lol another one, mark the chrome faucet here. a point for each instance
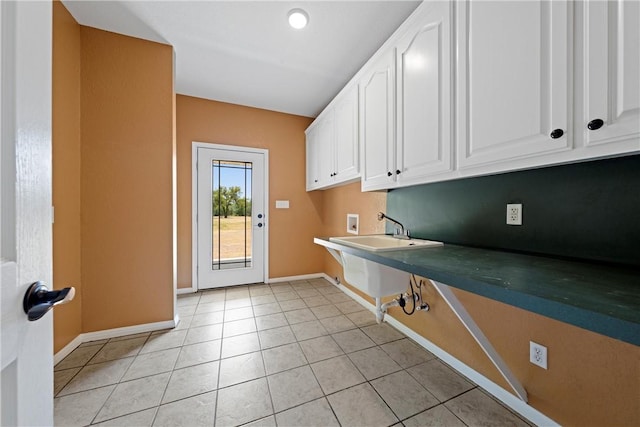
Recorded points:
(400, 232)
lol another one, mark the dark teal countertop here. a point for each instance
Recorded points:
(597, 297)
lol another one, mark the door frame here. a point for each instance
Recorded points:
(194, 206)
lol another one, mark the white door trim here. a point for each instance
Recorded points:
(194, 204)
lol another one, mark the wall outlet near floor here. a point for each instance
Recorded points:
(538, 354)
(514, 214)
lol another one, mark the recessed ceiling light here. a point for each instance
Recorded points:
(298, 18)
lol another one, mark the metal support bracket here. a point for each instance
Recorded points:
(477, 334)
(334, 253)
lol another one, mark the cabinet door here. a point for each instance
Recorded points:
(423, 145)
(377, 123)
(346, 136)
(325, 149)
(611, 35)
(313, 158)
(512, 80)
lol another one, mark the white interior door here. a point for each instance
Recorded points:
(231, 216)
(25, 216)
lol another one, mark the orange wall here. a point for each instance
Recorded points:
(592, 380)
(127, 101)
(349, 199)
(291, 248)
(66, 172)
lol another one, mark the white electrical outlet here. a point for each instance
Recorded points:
(514, 214)
(538, 354)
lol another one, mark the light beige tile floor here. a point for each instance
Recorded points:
(287, 354)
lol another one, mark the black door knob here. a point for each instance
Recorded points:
(556, 133)
(389, 174)
(259, 215)
(39, 299)
(595, 124)
(398, 171)
(260, 225)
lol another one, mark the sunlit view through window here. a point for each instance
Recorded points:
(231, 202)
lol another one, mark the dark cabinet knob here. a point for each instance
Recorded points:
(557, 133)
(259, 215)
(398, 171)
(259, 225)
(595, 124)
(389, 174)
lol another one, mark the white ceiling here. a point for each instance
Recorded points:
(244, 52)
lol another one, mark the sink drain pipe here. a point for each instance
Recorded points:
(402, 300)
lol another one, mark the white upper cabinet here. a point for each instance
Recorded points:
(377, 112)
(313, 158)
(513, 86)
(423, 64)
(611, 75)
(406, 104)
(326, 149)
(346, 137)
(332, 143)
(476, 87)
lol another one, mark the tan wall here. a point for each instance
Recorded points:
(349, 199)
(67, 320)
(592, 380)
(127, 137)
(291, 248)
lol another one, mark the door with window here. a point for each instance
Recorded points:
(231, 223)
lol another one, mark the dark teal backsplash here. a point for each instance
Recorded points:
(587, 210)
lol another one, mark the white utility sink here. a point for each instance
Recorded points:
(372, 278)
(383, 242)
(375, 279)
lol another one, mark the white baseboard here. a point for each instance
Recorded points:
(510, 400)
(64, 352)
(294, 278)
(113, 333)
(270, 280)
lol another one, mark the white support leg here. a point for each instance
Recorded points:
(481, 339)
(379, 311)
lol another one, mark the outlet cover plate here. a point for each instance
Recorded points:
(538, 354)
(353, 223)
(514, 214)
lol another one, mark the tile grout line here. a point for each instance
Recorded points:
(116, 384)
(164, 392)
(262, 350)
